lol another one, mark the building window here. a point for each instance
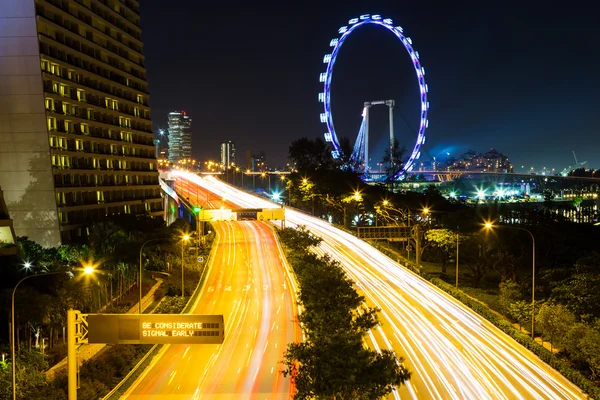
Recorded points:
(51, 123)
(56, 161)
(64, 90)
(85, 129)
(81, 95)
(69, 127)
(79, 145)
(50, 105)
(65, 161)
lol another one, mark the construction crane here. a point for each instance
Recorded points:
(578, 165)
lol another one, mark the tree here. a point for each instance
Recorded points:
(554, 320)
(580, 291)
(590, 346)
(520, 311)
(510, 292)
(333, 362)
(444, 240)
(392, 159)
(310, 155)
(476, 254)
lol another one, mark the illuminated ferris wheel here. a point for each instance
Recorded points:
(360, 153)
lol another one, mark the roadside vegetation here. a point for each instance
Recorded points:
(495, 266)
(334, 362)
(41, 303)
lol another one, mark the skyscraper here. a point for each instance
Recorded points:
(76, 143)
(227, 153)
(180, 136)
(162, 148)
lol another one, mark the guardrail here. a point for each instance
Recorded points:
(193, 298)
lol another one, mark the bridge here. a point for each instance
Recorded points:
(447, 176)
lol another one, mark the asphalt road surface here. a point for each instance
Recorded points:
(452, 352)
(248, 283)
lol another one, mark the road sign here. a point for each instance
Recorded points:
(200, 259)
(155, 328)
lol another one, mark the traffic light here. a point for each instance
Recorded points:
(197, 209)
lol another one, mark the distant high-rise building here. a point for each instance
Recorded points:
(77, 142)
(227, 154)
(258, 162)
(162, 148)
(180, 136)
(491, 161)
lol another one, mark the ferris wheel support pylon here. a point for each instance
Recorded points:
(368, 105)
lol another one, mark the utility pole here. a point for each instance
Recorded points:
(71, 355)
(418, 245)
(76, 335)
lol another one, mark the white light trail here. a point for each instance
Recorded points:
(453, 352)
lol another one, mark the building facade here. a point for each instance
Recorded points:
(180, 136)
(8, 243)
(227, 154)
(76, 143)
(490, 161)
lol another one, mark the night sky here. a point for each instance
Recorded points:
(523, 79)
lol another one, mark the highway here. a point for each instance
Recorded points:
(248, 283)
(452, 352)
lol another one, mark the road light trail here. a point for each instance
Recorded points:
(249, 285)
(452, 351)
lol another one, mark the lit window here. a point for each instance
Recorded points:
(81, 95)
(85, 129)
(50, 105)
(140, 99)
(51, 123)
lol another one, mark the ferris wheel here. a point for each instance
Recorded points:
(325, 97)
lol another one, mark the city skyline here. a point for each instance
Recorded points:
(180, 136)
(498, 77)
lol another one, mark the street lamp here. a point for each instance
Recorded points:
(88, 270)
(489, 226)
(184, 238)
(457, 243)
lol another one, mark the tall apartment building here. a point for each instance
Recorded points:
(76, 143)
(227, 153)
(180, 136)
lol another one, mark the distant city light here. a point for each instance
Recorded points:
(481, 194)
(27, 265)
(276, 196)
(452, 195)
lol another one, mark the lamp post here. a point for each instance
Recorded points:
(141, 269)
(457, 242)
(489, 225)
(88, 270)
(185, 238)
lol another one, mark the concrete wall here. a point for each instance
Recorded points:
(25, 167)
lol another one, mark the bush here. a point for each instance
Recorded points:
(561, 365)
